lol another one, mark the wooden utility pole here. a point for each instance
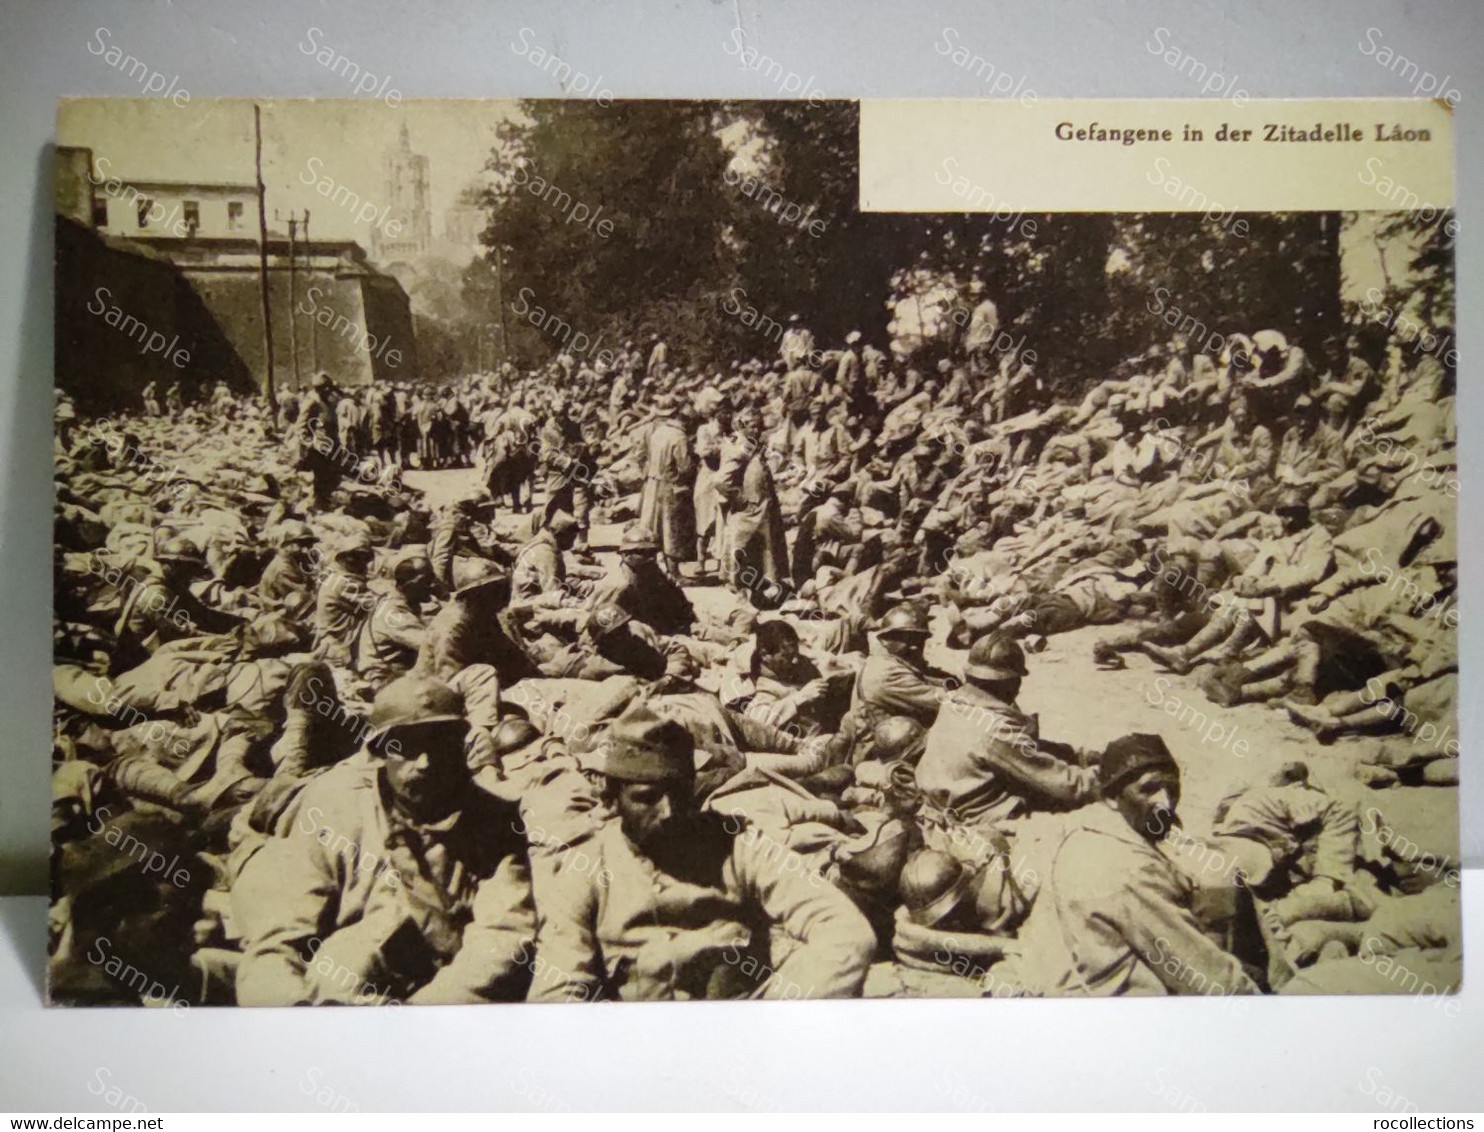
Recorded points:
(293, 300)
(309, 267)
(257, 129)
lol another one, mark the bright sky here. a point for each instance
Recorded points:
(212, 140)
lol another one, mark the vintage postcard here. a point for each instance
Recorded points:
(579, 550)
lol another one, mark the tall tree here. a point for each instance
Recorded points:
(605, 217)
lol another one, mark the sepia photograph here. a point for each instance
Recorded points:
(570, 551)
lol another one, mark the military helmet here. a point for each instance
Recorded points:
(414, 701)
(411, 564)
(1129, 756)
(179, 549)
(995, 657)
(933, 884)
(479, 576)
(873, 861)
(904, 621)
(896, 737)
(513, 733)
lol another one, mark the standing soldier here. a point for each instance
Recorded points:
(386, 428)
(318, 439)
(755, 561)
(710, 506)
(567, 465)
(984, 325)
(666, 507)
(424, 412)
(797, 342)
(658, 353)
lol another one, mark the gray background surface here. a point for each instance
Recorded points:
(854, 48)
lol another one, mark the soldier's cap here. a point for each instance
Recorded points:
(853, 337)
(413, 700)
(635, 541)
(933, 884)
(321, 380)
(994, 657)
(1130, 756)
(604, 620)
(642, 747)
(294, 532)
(358, 543)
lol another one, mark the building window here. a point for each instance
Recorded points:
(234, 215)
(142, 210)
(100, 214)
(192, 216)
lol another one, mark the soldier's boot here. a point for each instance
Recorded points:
(1173, 657)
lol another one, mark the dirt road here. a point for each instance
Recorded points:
(1220, 750)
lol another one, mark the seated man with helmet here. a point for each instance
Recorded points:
(984, 761)
(393, 634)
(160, 605)
(397, 879)
(288, 578)
(985, 765)
(895, 680)
(948, 935)
(642, 590)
